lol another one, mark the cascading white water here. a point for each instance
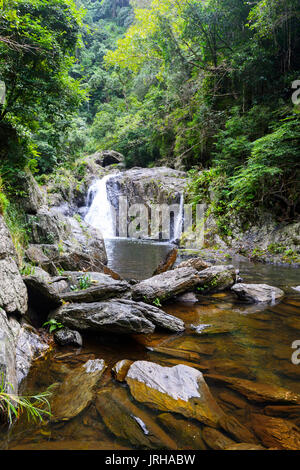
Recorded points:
(178, 224)
(100, 214)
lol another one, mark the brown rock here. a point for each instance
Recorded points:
(77, 390)
(276, 432)
(127, 421)
(120, 369)
(244, 446)
(180, 389)
(186, 433)
(215, 439)
(257, 392)
(167, 263)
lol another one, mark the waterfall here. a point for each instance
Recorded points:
(178, 224)
(100, 213)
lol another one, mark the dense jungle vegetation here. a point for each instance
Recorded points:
(207, 86)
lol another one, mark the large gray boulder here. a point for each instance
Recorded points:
(13, 293)
(33, 197)
(257, 293)
(167, 285)
(116, 316)
(20, 345)
(7, 354)
(216, 279)
(180, 389)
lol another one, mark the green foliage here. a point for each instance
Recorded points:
(84, 282)
(12, 406)
(53, 325)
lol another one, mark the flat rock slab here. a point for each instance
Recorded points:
(77, 391)
(258, 392)
(127, 421)
(167, 285)
(107, 288)
(116, 316)
(180, 389)
(186, 433)
(257, 293)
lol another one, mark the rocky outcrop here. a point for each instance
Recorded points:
(109, 157)
(77, 391)
(167, 285)
(257, 293)
(42, 294)
(116, 316)
(33, 197)
(149, 186)
(180, 389)
(13, 293)
(65, 242)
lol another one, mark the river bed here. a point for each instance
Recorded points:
(250, 342)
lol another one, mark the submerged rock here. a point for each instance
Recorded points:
(257, 293)
(245, 446)
(180, 389)
(258, 392)
(276, 433)
(77, 391)
(215, 440)
(185, 432)
(167, 285)
(67, 337)
(116, 316)
(128, 421)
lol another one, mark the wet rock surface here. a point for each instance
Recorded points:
(257, 293)
(276, 432)
(13, 292)
(77, 390)
(180, 389)
(116, 316)
(258, 392)
(128, 421)
(167, 285)
(67, 337)
(105, 287)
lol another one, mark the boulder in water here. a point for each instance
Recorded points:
(257, 293)
(167, 263)
(116, 316)
(167, 285)
(180, 389)
(67, 337)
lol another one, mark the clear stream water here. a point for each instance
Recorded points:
(255, 344)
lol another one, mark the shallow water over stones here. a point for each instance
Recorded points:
(244, 342)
